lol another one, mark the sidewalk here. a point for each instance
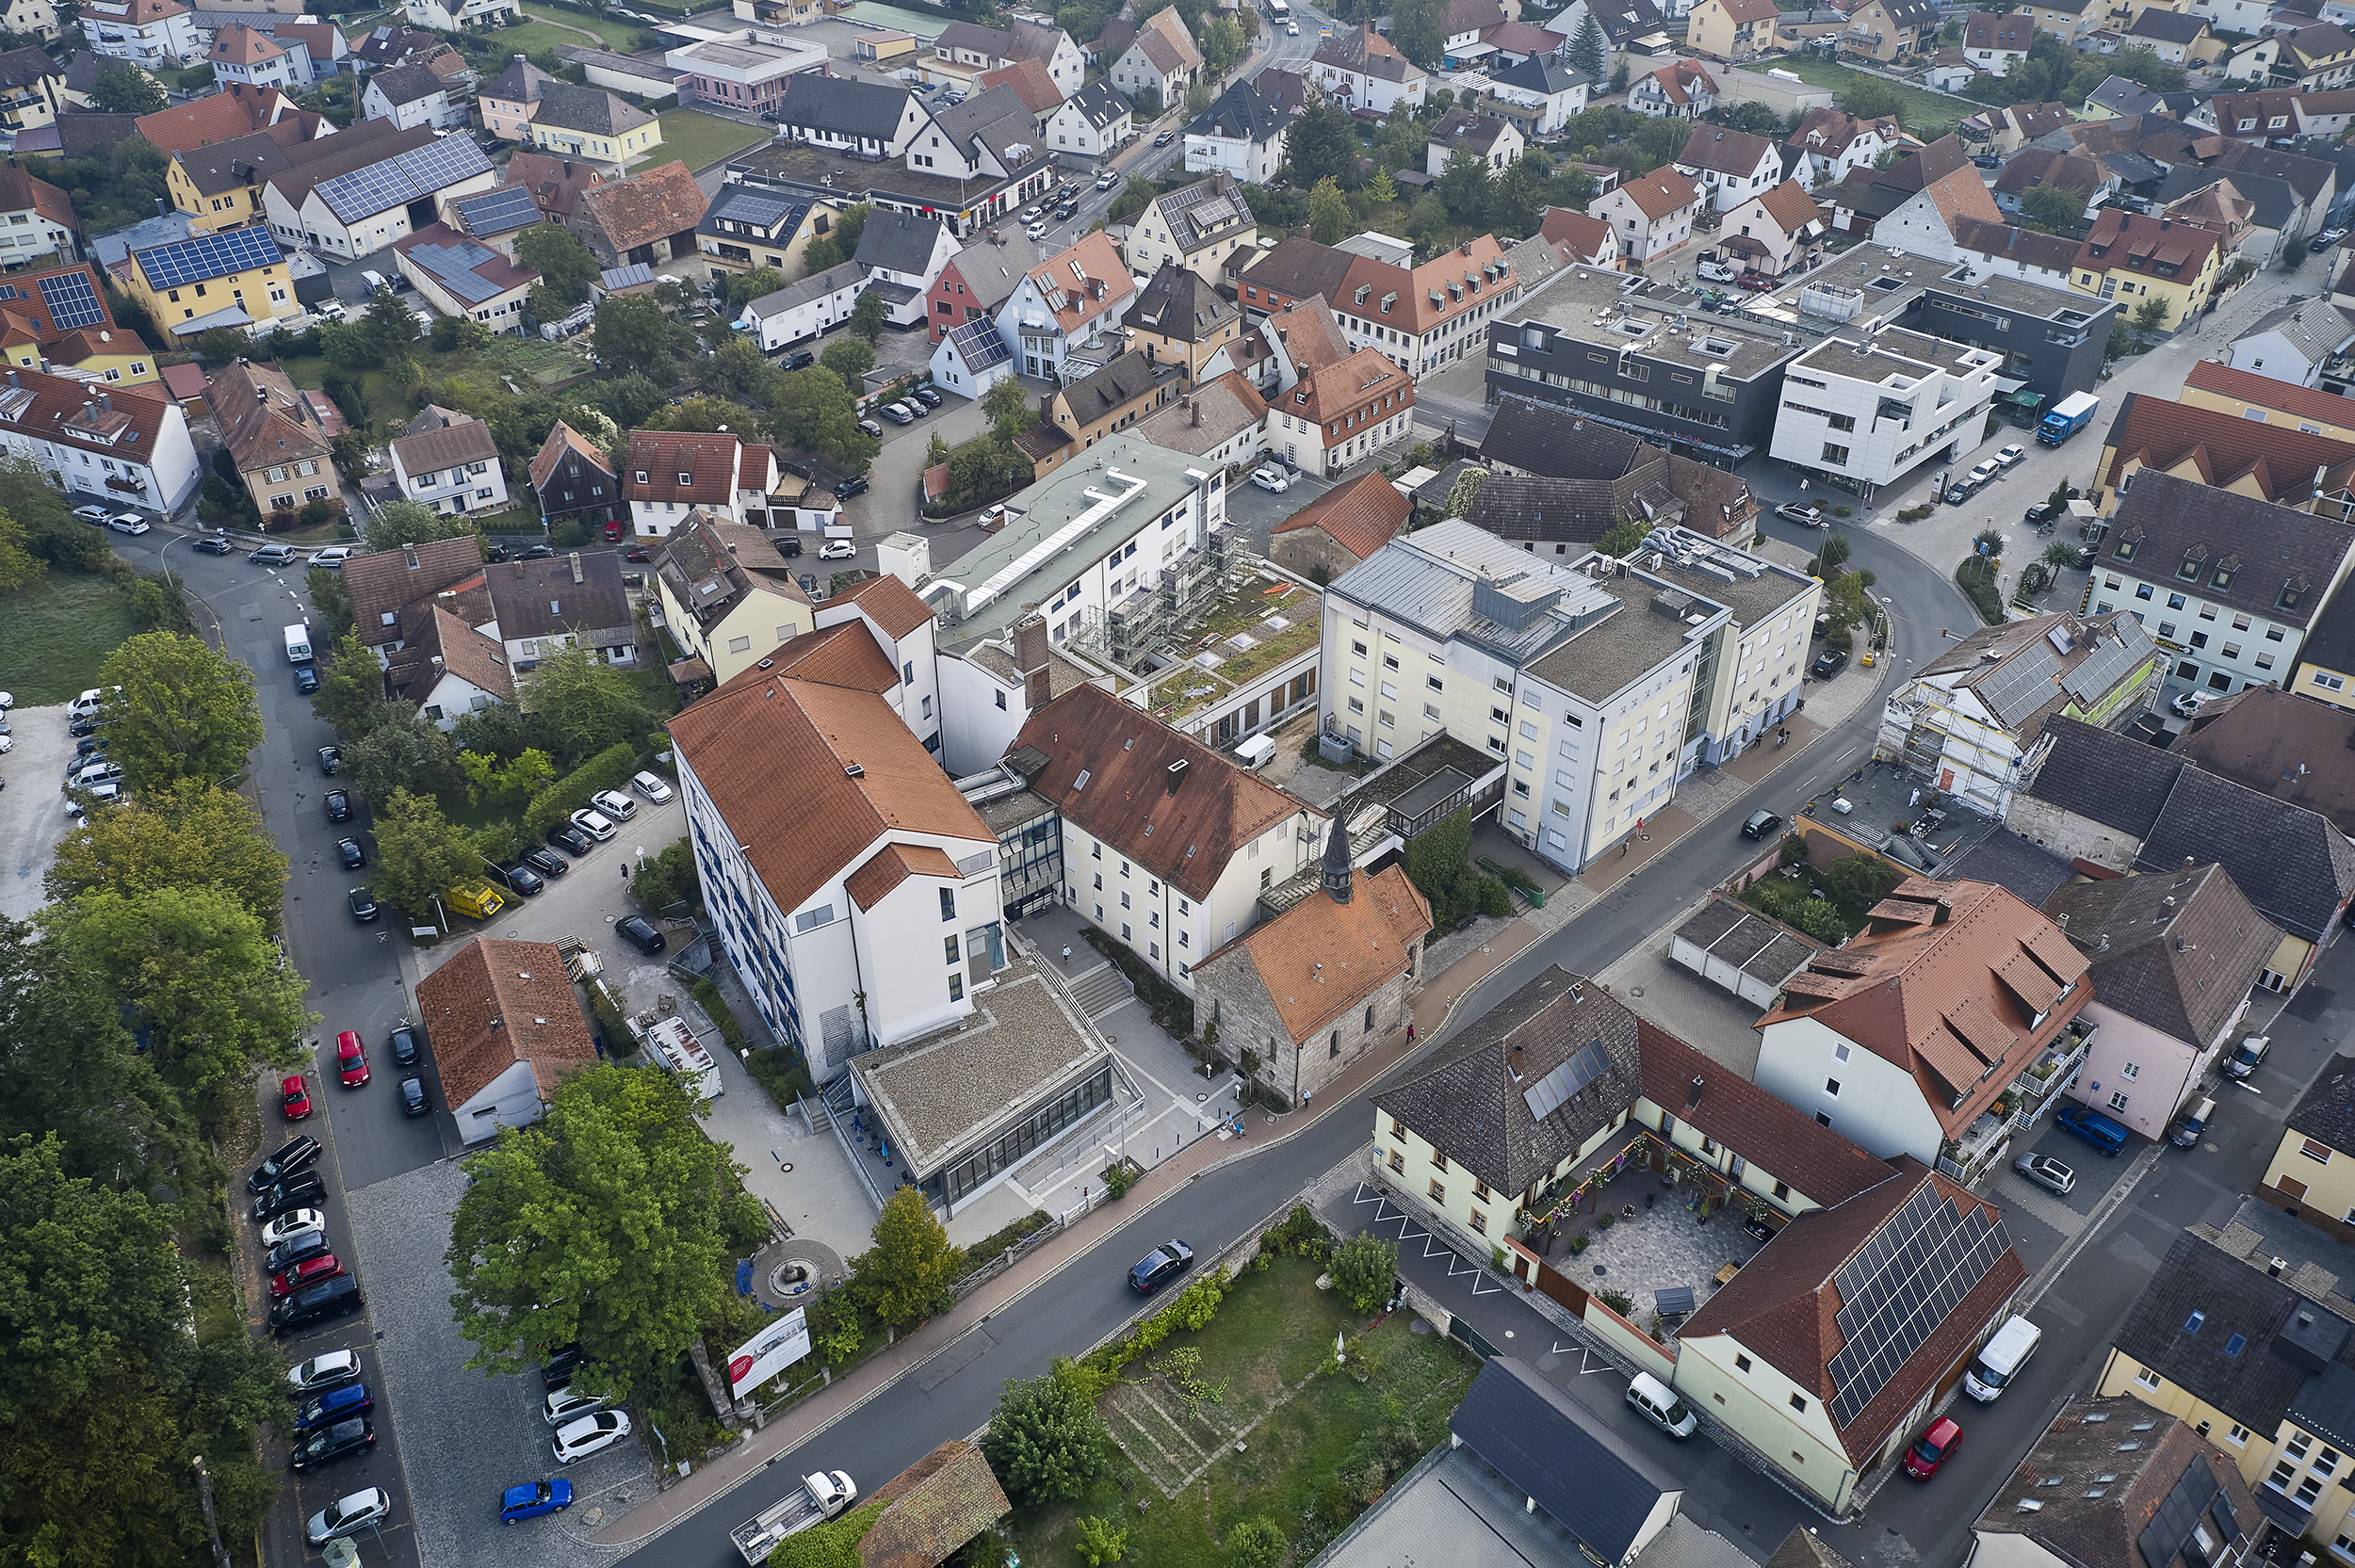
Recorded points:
(853, 1389)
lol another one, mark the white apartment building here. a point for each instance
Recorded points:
(1580, 676)
(135, 452)
(1861, 414)
(149, 33)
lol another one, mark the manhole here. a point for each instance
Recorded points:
(792, 1278)
(1200, 1097)
(785, 1166)
(1601, 1271)
(1112, 1040)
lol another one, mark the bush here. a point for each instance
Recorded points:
(1172, 1009)
(1118, 1178)
(1301, 1235)
(1255, 1544)
(1363, 1271)
(716, 1007)
(781, 1072)
(1977, 581)
(832, 1545)
(1617, 1302)
(609, 769)
(1101, 1542)
(995, 1245)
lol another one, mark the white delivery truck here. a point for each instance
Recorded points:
(299, 643)
(2000, 1359)
(818, 1499)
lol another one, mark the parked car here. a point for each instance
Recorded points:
(593, 824)
(2037, 515)
(313, 1304)
(333, 557)
(348, 851)
(546, 862)
(302, 1190)
(271, 555)
(1985, 472)
(2047, 1172)
(855, 485)
(306, 678)
(557, 1370)
(869, 427)
(2010, 455)
(2328, 237)
(1828, 663)
(294, 1096)
(518, 878)
(336, 1404)
(351, 1060)
(1034, 230)
(405, 1041)
(2244, 1062)
(328, 1369)
(801, 358)
(1159, 1267)
(1760, 824)
(96, 516)
(338, 806)
(363, 905)
(1107, 180)
(1958, 492)
(838, 549)
(329, 1444)
(331, 758)
(533, 1498)
(309, 1271)
(927, 396)
(616, 805)
(2094, 1127)
(215, 544)
(569, 838)
(350, 1515)
(652, 788)
(635, 929)
(290, 1223)
(2188, 703)
(299, 1248)
(898, 412)
(413, 1100)
(1805, 515)
(538, 552)
(1936, 1447)
(563, 1407)
(298, 1154)
(1162, 138)
(639, 553)
(1270, 477)
(590, 1434)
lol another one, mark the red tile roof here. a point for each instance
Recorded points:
(1319, 959)
(2221, 450)
(1584, 235)
(497, 1003)
(2248, 386)
(893, 864)
(710, 462)
(1359, 516)
(648, 206)
(1452, 283)
(888, 602)
(1660, 192)
(1817, 1162)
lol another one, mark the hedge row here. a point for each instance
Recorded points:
(609, 769)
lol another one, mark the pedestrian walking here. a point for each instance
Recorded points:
(1410, 1034)
(625, 871)
(1066, 952)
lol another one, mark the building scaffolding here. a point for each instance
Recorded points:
(1134, 633)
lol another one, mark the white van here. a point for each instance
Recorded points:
(1656, 1403)
(299, 643)
(376, 282)
(2000, 1359)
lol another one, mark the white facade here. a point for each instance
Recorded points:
(315, 224)
(433, 109)
(1039, 338)
(806, 309)
(1725, 190)
(1364, 89)
(1866, 415)
(170, 40)
(165, 479)
(951, 371)
(1162, 925)
(452, 697)
(1555, 110)
(510, 1100)
(1072, 129)
(1254, 162)
(981, 711)
(459, 489)
(450, 16)
(1865, 1098)
(1641, 235)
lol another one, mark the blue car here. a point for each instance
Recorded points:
(338, 1404)
(533, 1498)
(2095, 1129)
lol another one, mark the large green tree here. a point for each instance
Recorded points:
(351, 689)
(2058, 208)
(870, 317)
(68, 1068)
(1008, 409)
(1322, 144)
(1329, 217)
(122, 88)
(633, 335)
(850, 358)
(1045, 1442)
(200, 969)
(583, 704)
(737, 370)
(1590, 54)
(187, 833)
(1419, 29)
(704, 412)
(402, 749)
(183, 712)
(905, 1276)
(612, 1222)
(398, 523)
(811, 412)
(420, 854)
(566, 266)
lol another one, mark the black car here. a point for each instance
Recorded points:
(413, 1100)
(363, 905)
(2036, 515)
(405, 1043)
(801, 358)
(306, 678)
(518, 879)
(215, 544)
(294, 1250)
(789, 548)
(635, 929)
(338, 806)
(855, 485)
(1159, 1267)
(1760, 824)
(90, 725)
(546, 863)
(348, 851)
(494, 553)
(89, 745)
(1828, 663)
(1066, 211)
(331, 758)
(557, 1371)
(569, 839)
(304, 1189)
(927, 396)
(538, 552)
(340, 1441)
(298, 1155)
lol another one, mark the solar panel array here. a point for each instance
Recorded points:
(1901, 1285)
(453, 268)
(1553, 1092)
(979, 346)
(380, 186)
(756, 207)
(193, 261)
(2024, 685)
(498, 212)
(2118, 656)
(72, 302)
(2194, 1492)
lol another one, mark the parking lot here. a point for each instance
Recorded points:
(32, 806)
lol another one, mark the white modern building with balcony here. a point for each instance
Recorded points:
(1861, 414)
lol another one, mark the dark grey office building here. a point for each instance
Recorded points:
(2051, 341)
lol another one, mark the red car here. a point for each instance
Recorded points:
(309, 1271)
(639, 552)
(295, 1095)
(613, 531)
(1923, 1458)
(351, 1060)
(1755, 284)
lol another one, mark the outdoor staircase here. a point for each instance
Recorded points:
(1100, 993)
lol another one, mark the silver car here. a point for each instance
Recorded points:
(2047, 1172)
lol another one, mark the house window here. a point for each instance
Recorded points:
(1438, 1193)
(2319, 1153)
(947, 903)
(1398, 1163)
(1831, 1086)
(2118, 1100)
(1480, 1221)
(2147, 1380)
(1741, 1364)
(1799, 1402)
(1438, 1160)
(2130, 1071)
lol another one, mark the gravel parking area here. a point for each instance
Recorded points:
(32, 809)
(463, 1436)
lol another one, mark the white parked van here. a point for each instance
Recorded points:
(299, 643)
(376, 282)
(1656, 1403)
(2000, 1359)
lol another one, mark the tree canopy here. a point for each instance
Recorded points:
(905, 1276)
(810, 411)
(183, 712)
(122, 88)
(566, 266)
(398, 522)
(185, 833)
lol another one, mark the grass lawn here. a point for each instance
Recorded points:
(56, 632)
(1927, 115)
(526, 360)
(703, 139)
(614, 34)
(1319, 1451)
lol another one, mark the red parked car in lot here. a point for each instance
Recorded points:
(1923, 1458)
(295, 1095)
(309, 1271)
(351, 1060)
(613, 531)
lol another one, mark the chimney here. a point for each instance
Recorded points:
(1197, 415)
(1946, 912)
(1517, 1061)
(1692, 1095)
(89, 412)
(578, 574)
(106, 401)
(1176, 775)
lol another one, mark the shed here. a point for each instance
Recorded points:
(1564, 1462)
(1748, 953)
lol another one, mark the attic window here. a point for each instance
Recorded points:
(1081, 782)
(2234, 1345)
(1301, 397)
(2292, 591)
(2190, 571)
(2191, 1324)
(687, 479)
(641, 475)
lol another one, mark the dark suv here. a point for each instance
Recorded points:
(571, 840)
(340, 1441)
(801, 358)
(298, 1155)
(316, 1304)
(1159, 1267)
(302, 1190)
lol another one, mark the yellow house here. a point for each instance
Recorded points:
(591, 123)
(1729, 30)
(2246, 395)
(2325, 660)
(61, 316)
(2185, 1346)
(220, 185)
(729, 597)
(235, 278)
(1180, 319)
(2138, 259)
(2312, 1175)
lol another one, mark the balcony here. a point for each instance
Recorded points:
(2053, 1069)
(1983, 1143)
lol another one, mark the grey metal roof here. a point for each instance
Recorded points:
(868, 110)
(2316, 328)
(1561, 1457)
(2274, 201)
(2029, 871)
(1427, 579)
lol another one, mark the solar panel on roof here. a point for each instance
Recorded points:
(1553, 1092)
(498, 212)
(443, 163)
(453, 268)
(1900, 1286)
(979, 346)
(2109, 663)
(72, 302)
(746, 206)
(2022, 685)
(192, 261)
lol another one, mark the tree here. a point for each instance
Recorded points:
(491, 784)
(634, 336)
(1008, 409)
(1328, 213)
(122, 88)
(1869, 98)
(331, 604)
(402, 749)
(1322, 144)
(1950, 31)
(811, 412)
(1364, 1270)
(2150, 316)
(612, 1222)
(1858, 881)
(851, 228)
(1464, 186)
(583, 704)
(742, 288)
(904, 1278)
(18, 564)
(457, 331)
(1134, 198)
(1380, 191)
(189, 834)
(197, 967)
(1467, 487)
(351, 687)
(398, 523)
(220, 345)
(1045, 1442)
(1419, 29)
(1198, 99)
(703, 412)
(71, 1070)
(850, 358)
(737, 370)
(183, 712)
(1255, 1544)
(2057, 207)
(419, 854)
(667, 880)
(1220, 42)
(1439, 865)
(566, 266)
(870, 317)
(1590, 53)
(1620, 539)
(388, 328)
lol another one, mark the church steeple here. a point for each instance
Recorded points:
(1337, 873)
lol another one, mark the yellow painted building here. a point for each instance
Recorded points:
(30, 333)
(591, 123)
(217, 192)
(233, 280)
(2312, 1174)
(2136, 259)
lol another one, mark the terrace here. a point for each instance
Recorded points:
(1251, 630)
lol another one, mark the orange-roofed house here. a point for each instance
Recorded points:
(2138, 260)
(1343, 414)
(1905, 1040)
(1340, 528)
(1073, 301)
(1431, 316)
(1684, 90)
(506, 1030)
(1773, 232)
(1578, 239)
(856, 891)
(1652, 214)
(667, 474)
(1319, 985)
(2253, 396)
(61, 316)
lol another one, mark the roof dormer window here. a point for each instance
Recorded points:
(641, 475)
(687, 479)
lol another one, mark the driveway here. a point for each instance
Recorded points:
(32, 813)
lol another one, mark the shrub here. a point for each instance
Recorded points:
(716, 1008)
(1617, 1302)
(781, 1072)
(1842, 511)
(1976, 579)
(1101, 1543)
(1300, 1234)
(1255, 1544)
(609, 769)
(1172, 1009)
(1604, 1220)
(1118, 1178)
(993, 1246)
(832, 1545)
(1364, 1269)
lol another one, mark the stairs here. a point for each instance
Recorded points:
(1100, 993)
